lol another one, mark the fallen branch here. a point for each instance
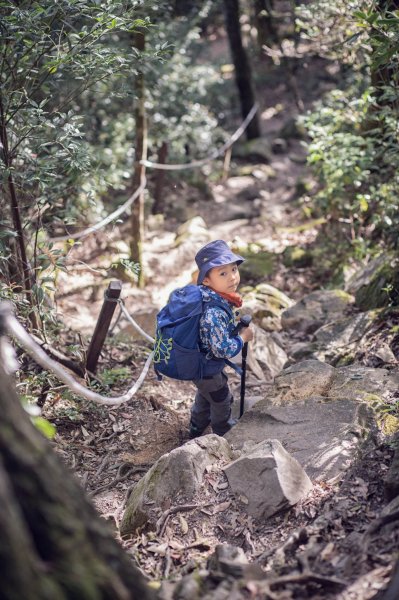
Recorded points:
(164, 518)
(117, 479)
(306, 578)
(61, 358)
(379, 523)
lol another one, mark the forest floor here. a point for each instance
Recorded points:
(110, 449)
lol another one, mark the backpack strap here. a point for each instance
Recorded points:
(234, 366)
(212, 302)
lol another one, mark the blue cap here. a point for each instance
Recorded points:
(215, 254)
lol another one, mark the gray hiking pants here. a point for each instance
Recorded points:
(212, 404)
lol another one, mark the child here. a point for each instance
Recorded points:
(218, 279)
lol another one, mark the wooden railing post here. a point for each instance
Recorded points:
(104, 321)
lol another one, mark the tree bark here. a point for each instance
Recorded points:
(23, 266)
(54, 544)
(241, 66)
(159, 204)
(264, 23)
(137, 218)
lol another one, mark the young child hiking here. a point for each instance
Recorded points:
(218, 280)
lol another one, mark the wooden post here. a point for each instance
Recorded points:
(226, 164)
(104, 321)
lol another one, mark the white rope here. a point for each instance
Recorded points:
(111, 217)
(25, 340)
(204, 161)
(133, 322)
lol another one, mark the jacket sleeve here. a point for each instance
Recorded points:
(215, 334)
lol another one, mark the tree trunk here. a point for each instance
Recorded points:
(241, 66)
(22, 259)
(137, 218)
(264, 23)
(54, 544)
(159, 204)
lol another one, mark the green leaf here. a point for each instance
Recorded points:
(45, 427)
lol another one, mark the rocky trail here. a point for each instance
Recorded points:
(337, 541)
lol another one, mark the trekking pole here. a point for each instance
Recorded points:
(244, 322)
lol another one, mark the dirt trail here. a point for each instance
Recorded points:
(105, 447)
(110, 449)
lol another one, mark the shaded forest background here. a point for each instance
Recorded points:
(89, 90)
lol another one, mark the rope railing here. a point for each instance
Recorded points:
(211, 157)
(9, 324)
(111, 217)
(167, 167)
(133, 322)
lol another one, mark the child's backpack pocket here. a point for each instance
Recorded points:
(188, 362)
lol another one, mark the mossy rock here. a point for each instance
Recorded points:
(382, 288)
(257, 266)
(294, 256)
(389, 424)
(293, 129)
(254, 150)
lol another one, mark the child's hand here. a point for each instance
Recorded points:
(247, 334)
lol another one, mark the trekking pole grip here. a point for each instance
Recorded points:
(245, 321)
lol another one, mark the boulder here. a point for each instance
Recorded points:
(265, 351)
(391, 483)
(295, 256)
(257, 265)
(302, 380)
(382, 285)
(267, 479)
(254, 150)
(316, 309)
(341, 338)
(320, 414)
(363, 275)
(177, 474)
(322, 435)
(363, 384)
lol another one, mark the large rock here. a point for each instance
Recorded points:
(391, 483)
(302, 380)
(267, 479)
(265, 356)
(380, 288)
(316, 309)
(176, 475)
(323, 436)
(256, 150)
(339, 340)
(257, 265)
(266, 303)
(320, 414)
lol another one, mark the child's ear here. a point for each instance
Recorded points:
(205, 281)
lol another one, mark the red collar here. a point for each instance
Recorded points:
(233, 298)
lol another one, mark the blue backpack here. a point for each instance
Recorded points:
(176, 347)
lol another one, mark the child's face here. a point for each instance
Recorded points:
(225, 278)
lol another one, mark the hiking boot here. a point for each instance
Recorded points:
(230, 423)
(194, 431)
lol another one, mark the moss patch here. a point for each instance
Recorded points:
(294, 256)
(257, 266)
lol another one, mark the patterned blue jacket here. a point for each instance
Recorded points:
(216, 327)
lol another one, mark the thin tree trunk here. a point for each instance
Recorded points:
(264, 23)
(137, 218)
(241, 66)
(54, 544)
(159, 204)
(23, 266)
